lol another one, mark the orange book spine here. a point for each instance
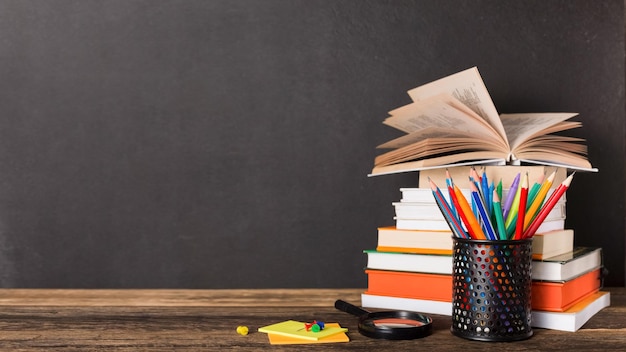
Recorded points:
(410, 285)
(546, 295)
(559, 296)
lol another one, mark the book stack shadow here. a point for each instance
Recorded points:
(411, 267)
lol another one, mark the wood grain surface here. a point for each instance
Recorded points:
(206, 320)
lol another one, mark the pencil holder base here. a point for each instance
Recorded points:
(491, 290)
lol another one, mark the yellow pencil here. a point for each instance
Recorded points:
(538, 201)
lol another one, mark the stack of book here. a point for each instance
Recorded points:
(411, 268)
(452, 123)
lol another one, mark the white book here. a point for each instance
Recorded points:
(557, 269)
(430, 211)
(567, 266)
(414, 210)
(425, 195)
(422, 224)
(424, 263)
(570, 320)
(411, 304)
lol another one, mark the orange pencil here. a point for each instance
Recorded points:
(471, 223)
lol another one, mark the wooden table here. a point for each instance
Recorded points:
(206, 320)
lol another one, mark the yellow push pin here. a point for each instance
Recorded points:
(242, 330)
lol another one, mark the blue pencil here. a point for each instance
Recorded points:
(449, 186)
(444, 207)
(484, 185)
(490, 199)
(490, 232)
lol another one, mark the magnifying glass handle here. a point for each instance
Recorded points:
(349, 308)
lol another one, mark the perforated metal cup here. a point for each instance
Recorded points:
(491, 289)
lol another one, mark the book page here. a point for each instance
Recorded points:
(468, 87)
(419, 135)
(520, 127)
(435, 146)
(436, 112)
(554, 142)
(559, 127)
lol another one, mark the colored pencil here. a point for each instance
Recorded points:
(463, 208)
(510, 228)
(489, 231)
(490, 198)
(499, 189)
(497, 211)
(509, 197)
(484, 184)
(547, 207)
(519, 227)
(512, 215)
(449, 184)
(538, 200)
(446, 211)
(475, 180)
(532, 192)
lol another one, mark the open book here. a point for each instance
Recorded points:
(453, 121)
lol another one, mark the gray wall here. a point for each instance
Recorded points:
(225, 144)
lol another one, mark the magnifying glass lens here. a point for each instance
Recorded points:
(396, 323)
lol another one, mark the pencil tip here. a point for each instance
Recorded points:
(568, 180)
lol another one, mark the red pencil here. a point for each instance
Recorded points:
(547, 207)
(519, 225)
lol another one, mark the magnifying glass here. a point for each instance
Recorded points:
(389, 325)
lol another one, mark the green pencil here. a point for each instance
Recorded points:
(532, 192)
(497, 210)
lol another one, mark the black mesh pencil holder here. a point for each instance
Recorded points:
(491, 289)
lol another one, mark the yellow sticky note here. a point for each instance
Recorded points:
(296, 329)
(286, 340)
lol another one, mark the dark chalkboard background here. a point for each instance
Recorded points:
(225, 144)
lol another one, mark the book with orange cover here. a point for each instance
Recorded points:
(560, 296)
(410, 285)
(576, 316)
(546, 296)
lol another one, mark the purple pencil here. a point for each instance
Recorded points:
(509, 197)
